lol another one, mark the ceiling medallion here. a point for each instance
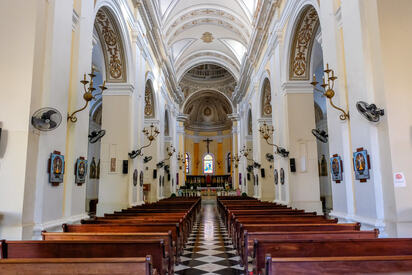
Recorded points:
(207, 37)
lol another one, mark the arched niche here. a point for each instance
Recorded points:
(112, 46)
(149, 107)
(249, 123)
(166, 127)
(301, 48)
(266, 105)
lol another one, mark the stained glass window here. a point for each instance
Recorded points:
(187, 163)
(208, 164)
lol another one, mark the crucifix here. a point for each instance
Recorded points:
(208, 141)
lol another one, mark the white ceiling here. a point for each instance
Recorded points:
(186, 21)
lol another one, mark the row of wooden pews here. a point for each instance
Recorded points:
(145, 239)
(282, 240)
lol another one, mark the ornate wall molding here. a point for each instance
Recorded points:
(149, 111)
(266, 99)
(112, 46)
(305, 32)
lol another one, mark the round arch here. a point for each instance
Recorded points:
(189, 98)
(297, 16)
(108, 14)
(265, 80)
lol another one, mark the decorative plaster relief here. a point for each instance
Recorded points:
(304, 36)
(112, 45)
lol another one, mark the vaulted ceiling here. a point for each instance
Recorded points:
(186, 34)
(207, 31)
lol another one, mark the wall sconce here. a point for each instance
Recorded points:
(245, 152)
(235, 159)
(328, 90)
(151, 136)
(170, 151)
(88, 94)
(266, 132)
(181, 157)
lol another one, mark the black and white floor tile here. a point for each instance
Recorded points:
(209, 249)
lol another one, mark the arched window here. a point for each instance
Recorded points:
(187, 163)
(208, 165)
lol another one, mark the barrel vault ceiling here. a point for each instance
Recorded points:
(189, 33)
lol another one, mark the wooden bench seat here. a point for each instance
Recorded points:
(89, 249)
(247, 246)
(339, 265)
(330, 248)
(75, 266)
(177, 234)
(255, 228)
(98, 236)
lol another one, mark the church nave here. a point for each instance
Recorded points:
(209, 249)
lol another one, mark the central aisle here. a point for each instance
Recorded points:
(209, 250)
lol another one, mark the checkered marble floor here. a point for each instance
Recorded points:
(209, 249)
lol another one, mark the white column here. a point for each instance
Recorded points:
(303, 184)
(116, 120)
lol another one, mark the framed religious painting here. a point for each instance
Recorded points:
(135, 177)
(141, 179)
(80, 171)
(56, 168)
(282, 176)
(276, 177)
(336, 168)
(361, 165)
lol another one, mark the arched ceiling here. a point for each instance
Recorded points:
(208, 77)
(208, 111)
(207, 31)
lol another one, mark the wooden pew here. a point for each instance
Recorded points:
(72, 266)
(339, 265)
(177, 234)
(89, 249)
(246, 249)
(97, 236)
(255, 228)
(330, 248)
(235, 228)
(116, 221)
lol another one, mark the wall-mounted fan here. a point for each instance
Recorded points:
(95, 136)
(370, 111)
(46, 119)
(283, 152)
(320, 135)
(147, 159)
(270, 157)
(160, 164)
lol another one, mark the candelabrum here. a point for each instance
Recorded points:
(328, 89)
(181, 158)
(266, 132)
(151, 135)
(88, 94)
